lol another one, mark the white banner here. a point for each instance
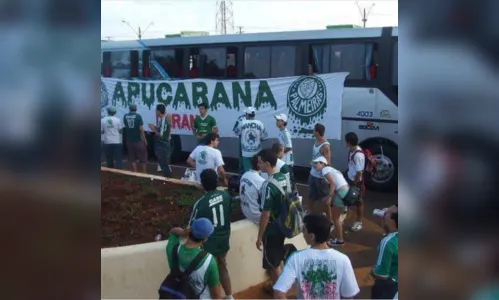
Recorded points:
(306, 100)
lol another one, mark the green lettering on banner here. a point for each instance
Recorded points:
(118, 94)
(239, 94)
(148, 100)
(265, 96)
(164, 93)
(220, 97)
(133, 92)
(199, 91)
(181, 97)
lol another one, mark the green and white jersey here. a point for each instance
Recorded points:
(387, 263)
(164, 129)
(132, 122)
(204, 125)
(216, 206)
(252, 132)
(285, 140)
(271, 200)
(204, 276)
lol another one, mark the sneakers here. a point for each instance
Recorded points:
(357, 226)
(335, 243)
(229, 297)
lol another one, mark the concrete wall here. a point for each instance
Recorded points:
(137, 271)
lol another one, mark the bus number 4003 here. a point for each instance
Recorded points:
(365, 114)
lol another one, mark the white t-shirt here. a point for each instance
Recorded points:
(206, 157)
(111, 126)
(305, 266)
(338, 178)
(252, 132)
(249, 192)
(285, 140)
(355, 163)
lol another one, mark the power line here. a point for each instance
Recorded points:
(224, 17)
(240, 30)
(139, 32)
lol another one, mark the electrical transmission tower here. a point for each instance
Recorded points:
(138, 32)
(364, 13)
(224, 17)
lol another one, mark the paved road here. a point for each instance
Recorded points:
(360, 246)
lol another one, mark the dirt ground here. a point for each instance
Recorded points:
(134, 210)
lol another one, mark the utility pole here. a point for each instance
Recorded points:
(139, 32)
(240, 29)
(364, 13)
(224, 17)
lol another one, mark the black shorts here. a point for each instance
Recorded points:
(384, 289)
(273, 251)
(318, 188)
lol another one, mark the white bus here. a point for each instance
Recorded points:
(370, 100)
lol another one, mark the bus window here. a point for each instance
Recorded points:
(232, 56)
(194, 63)
(257, 62)
(283, 61)
(357, 59)
(166, 63)
(120, 64)
(395, 63)
(213, 62)
(106, 64)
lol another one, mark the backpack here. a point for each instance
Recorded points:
(176, 284)
(290, 221)
(371, 162)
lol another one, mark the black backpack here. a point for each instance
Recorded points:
(176, 284)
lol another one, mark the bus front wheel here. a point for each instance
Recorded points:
(386, 176)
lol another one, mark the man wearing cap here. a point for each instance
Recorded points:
(285, 141)
(216, 206)
(252, 132)
(111, 129)
(135, 139)
(204, 279)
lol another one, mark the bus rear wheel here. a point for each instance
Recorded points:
(386, 177)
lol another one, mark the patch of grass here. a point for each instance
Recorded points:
(149, 191)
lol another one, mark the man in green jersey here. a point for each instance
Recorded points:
(162, 139)
(204, 124)
(135, 139)
(269, 234)
(204, 279)
(385, 272)
(216, 205)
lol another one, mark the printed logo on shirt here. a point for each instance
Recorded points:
(319, 280)
(307, 102)
(202, 157)
(104, 99)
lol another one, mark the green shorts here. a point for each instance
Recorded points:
(217, 245)
(246, 164)
(338, 201)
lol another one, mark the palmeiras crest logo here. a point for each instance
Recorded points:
(307, 103)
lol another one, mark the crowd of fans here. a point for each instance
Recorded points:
(319, 272)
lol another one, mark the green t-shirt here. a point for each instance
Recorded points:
(185, 257)
(387, 263)
(215, 206)
(271, 200)
(204, 125)
(132, 122)
(164, 129)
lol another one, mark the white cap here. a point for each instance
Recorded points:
(250, 110)
(282, 117)
(321, 159)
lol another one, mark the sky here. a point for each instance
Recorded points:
(162, 17)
